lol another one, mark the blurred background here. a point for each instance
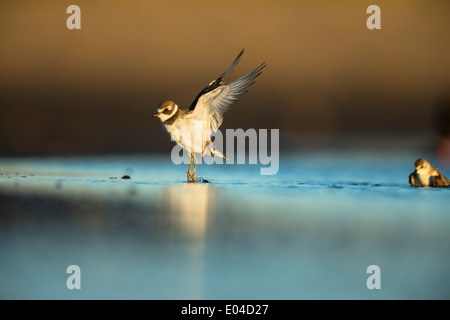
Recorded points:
(330, 81)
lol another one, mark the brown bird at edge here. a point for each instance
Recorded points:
(427, 176)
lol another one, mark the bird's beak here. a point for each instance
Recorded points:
(156, 115)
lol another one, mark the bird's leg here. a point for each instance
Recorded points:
(194, 178)
(189, 175)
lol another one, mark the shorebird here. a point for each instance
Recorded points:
(426, 175)
(192, 128)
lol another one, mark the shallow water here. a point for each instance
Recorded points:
(309, 232)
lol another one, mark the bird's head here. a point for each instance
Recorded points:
(166, 110)
(422, 165)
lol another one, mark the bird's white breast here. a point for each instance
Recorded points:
(424, 179)
(189, 133)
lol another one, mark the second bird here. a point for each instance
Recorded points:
(427, 176)
(192, 128)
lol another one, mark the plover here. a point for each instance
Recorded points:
(426, 175)
(192, 128)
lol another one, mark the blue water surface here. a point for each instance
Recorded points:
(308, 232)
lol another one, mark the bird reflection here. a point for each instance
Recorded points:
(189, 206)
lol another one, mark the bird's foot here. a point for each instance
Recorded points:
(201, 180)
(191, 178)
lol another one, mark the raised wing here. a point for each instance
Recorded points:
(219, 81)
(211, 103)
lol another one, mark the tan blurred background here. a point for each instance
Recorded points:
(328, 78)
